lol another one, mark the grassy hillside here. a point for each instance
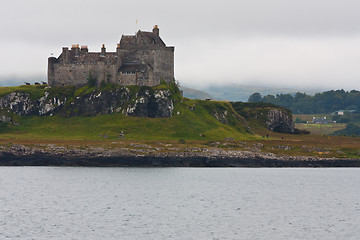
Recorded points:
(192, 120)
(199, 123)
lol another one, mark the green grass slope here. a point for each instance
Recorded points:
(192, 120)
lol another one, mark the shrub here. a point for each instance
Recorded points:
(91, 81)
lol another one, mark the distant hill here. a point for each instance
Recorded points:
(195, 94)
(235, 92)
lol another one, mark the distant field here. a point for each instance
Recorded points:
(324, 129)
(309, 117)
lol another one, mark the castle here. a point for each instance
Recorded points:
(141, 59)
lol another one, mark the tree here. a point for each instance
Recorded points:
(255, 97)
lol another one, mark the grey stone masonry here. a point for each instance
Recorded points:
(141, 59)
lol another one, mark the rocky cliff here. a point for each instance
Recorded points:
(279, 121)
(145, 102)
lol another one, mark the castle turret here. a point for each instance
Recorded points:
(51, 70)
(75, 48)
(156, 30)
(103, 50)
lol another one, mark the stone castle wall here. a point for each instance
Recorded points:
(77, 74)
(142, 59)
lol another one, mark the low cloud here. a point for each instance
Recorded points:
(281, 61)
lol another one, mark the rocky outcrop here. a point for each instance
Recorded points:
(49, 105)
(19, 103)
(270, 116)
(147, 104)
(143, 103)
(221, 116)
(22, 105)
(279, 121)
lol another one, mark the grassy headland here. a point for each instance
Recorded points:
(193, 122)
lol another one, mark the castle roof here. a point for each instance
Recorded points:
(141, 38)
(127, 40)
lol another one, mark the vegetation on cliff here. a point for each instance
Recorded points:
(78, 114)
(39, 117)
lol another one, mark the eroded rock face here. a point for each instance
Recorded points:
(145, 103)
(221, 116)
(48, 106)
(279, 121)
(96, 103)
(22, 105)
(141, 104)
(19, 103)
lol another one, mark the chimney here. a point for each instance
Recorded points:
(76, 49)
(103, 50)
(84, 48)
(156, 30)
(118, 48)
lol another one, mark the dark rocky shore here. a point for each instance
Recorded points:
(140, 155)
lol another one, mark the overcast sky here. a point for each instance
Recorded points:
(292, 43)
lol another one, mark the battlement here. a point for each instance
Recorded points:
(140, 59)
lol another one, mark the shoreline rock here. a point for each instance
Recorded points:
(53, 155)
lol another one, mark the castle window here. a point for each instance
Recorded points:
(133, 72)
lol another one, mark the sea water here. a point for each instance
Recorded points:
(179, 203)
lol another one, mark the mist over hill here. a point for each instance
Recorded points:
(195, 94)
(9, 81)
(237, 92)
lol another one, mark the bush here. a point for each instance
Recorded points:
(344, 120)
(298, 120)
(103, 84)
(182, 141)
(91, 81)
(351, 130)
